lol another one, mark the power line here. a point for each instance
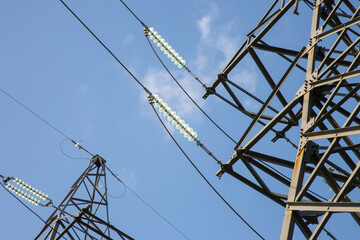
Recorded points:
(172, 76)
(35, 114)
(78, 145)
(201, 83)
(284, 176)
(212, 187)
(132, 13)
(147, 204)
(127, 187)
(226, 134)
(143, 24)
(32, 211)
(187, 94)
(46, 122)
(148, 92)
(102, 44)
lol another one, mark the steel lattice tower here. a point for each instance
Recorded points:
(83, 214)
(323, 111)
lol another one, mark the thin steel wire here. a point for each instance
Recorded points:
(147, 204)
(63, 152)
(187, 94)
(200, 173)
(35, 114)
(32, 211)
(102, 44)
(132, 13)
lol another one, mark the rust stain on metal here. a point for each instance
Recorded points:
(298, 159)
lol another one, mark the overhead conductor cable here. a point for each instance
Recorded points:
(150, 95)
(179, 123)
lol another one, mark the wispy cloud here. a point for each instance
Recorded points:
(204, 26)
(83, 87)
(246, 78)
(216, 38)
(217, 45)
(159, 81)
(129, 177)
(251, 105)
(128, 38)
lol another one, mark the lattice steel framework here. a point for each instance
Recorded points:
(83, 214)
(323, 111)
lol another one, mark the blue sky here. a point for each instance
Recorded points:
(50, 63)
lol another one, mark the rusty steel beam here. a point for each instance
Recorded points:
(325, 107)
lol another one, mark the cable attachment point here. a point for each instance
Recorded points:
(150, 98)
(26, 191)
(77, 144)
(209, 91)
(165, 47)
(146, 31)
(173, 117)
(7, 179)
(208, 152)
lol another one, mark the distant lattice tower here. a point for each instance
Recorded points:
(83, 214)
(323, 112)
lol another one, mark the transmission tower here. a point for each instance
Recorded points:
(83, 214)
(322, 112)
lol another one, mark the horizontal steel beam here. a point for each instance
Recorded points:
(335, 78)
(324, 206)
(338, 28)
(338, 132)
(293, 53)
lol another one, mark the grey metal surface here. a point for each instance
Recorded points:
(321, 119)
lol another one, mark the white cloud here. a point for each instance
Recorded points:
(215, 39)
(159, 81)
(129, 177)
(204, 26)
(228, 46)
(251, 105)
(246, 79)
(218, 43)
(201, 62)
(128, 38)
(204, 23)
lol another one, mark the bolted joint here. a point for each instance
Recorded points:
(150, 98)
(222, 77)
(278, 135)
(303, 142)
(209, 91)
(146, 31)
(227, 167)
(7, 179)
(224, 168)
(98, 161)
(238, 153)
